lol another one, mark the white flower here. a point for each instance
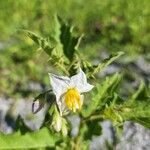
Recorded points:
(69, 91)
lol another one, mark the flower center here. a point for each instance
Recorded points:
(72, 99)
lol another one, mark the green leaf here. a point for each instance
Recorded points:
(102, 94)
(42, 43)
(95, 69)
(39, 139)
(94, 128)
(21, 128)
(135, 109)
(57, 32)
(145, 121)
(141, 93)
(139, 105)
(90, 129)
(70, 43)
(139, 110)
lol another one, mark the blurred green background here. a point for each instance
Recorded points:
(108, 26)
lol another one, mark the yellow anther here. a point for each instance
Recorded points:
(72, 99)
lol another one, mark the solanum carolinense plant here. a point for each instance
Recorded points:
(75, 89)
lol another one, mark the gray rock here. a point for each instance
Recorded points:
(99, 142)
(33, 121)
(4, 107)
(9, 112)
(143, 64)
(34, 86)
(111, 69)
(134, 137)
(75, 121)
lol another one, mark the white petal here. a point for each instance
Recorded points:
(80, 82)
(59, 84)
(78, 79)
(62, 107)
(85, 88)
(59, 103)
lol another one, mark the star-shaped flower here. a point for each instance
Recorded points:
(69, 91)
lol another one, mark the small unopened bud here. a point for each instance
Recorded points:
(46, 97)
(64, 129)
(57, 120)
(36, 106)
(57, 124)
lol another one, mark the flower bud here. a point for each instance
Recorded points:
(57, 120)
(37, 105)
(64, 129)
